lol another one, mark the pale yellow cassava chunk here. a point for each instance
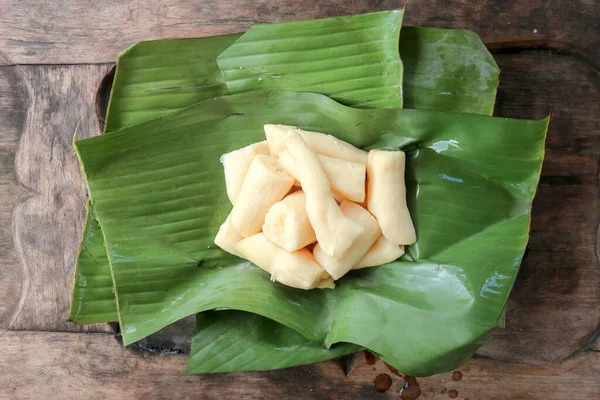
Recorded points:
(228, 237)
(297, 269)
(287, 225)
(347, 178)
(382, 252)
(337, 197)
(265, 184)
(386, 195)
(339, 267)
(236, 164)
(335, 232)
(326, 283)
(320, 143)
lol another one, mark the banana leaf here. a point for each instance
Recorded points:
(143, 85)
(159, 196)
(187, 73)
(151, 79)
(223, 336)
(157, 77)
(447, 71)
(122, 113)
(93, 298)
(354, 60)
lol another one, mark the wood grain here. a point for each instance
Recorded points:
(34, 32)
(13, 112)
(94, 366)
(48, 219)
(554, 308)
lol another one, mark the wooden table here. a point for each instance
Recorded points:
(53, 57)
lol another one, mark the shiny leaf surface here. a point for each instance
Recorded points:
(260, 341)
(140, 92)
(447, 70)
(159, 218)
(154, 78)
(354, 59)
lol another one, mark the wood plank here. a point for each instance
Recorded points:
(13, 112)
(94, 366)
(554, 308)
(48, 218)
(66, 32)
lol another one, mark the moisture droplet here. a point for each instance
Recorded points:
(410, 390)
(457, 376)
(382, 383)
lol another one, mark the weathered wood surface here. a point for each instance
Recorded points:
(45, 200)
(95, 366)
(550, 347)
(554, 309)
(13, 111)
(84, 32)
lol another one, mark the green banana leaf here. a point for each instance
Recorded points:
(260, 341)
(141, 85)
(447, 71)
(157, 77)
(192, 75)
(93, 298)
(354, 60)
(187, 73)
(159, 195)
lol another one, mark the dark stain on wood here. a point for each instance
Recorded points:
(457, 376)
(370, 358)
(382, 383)
(453, 393)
